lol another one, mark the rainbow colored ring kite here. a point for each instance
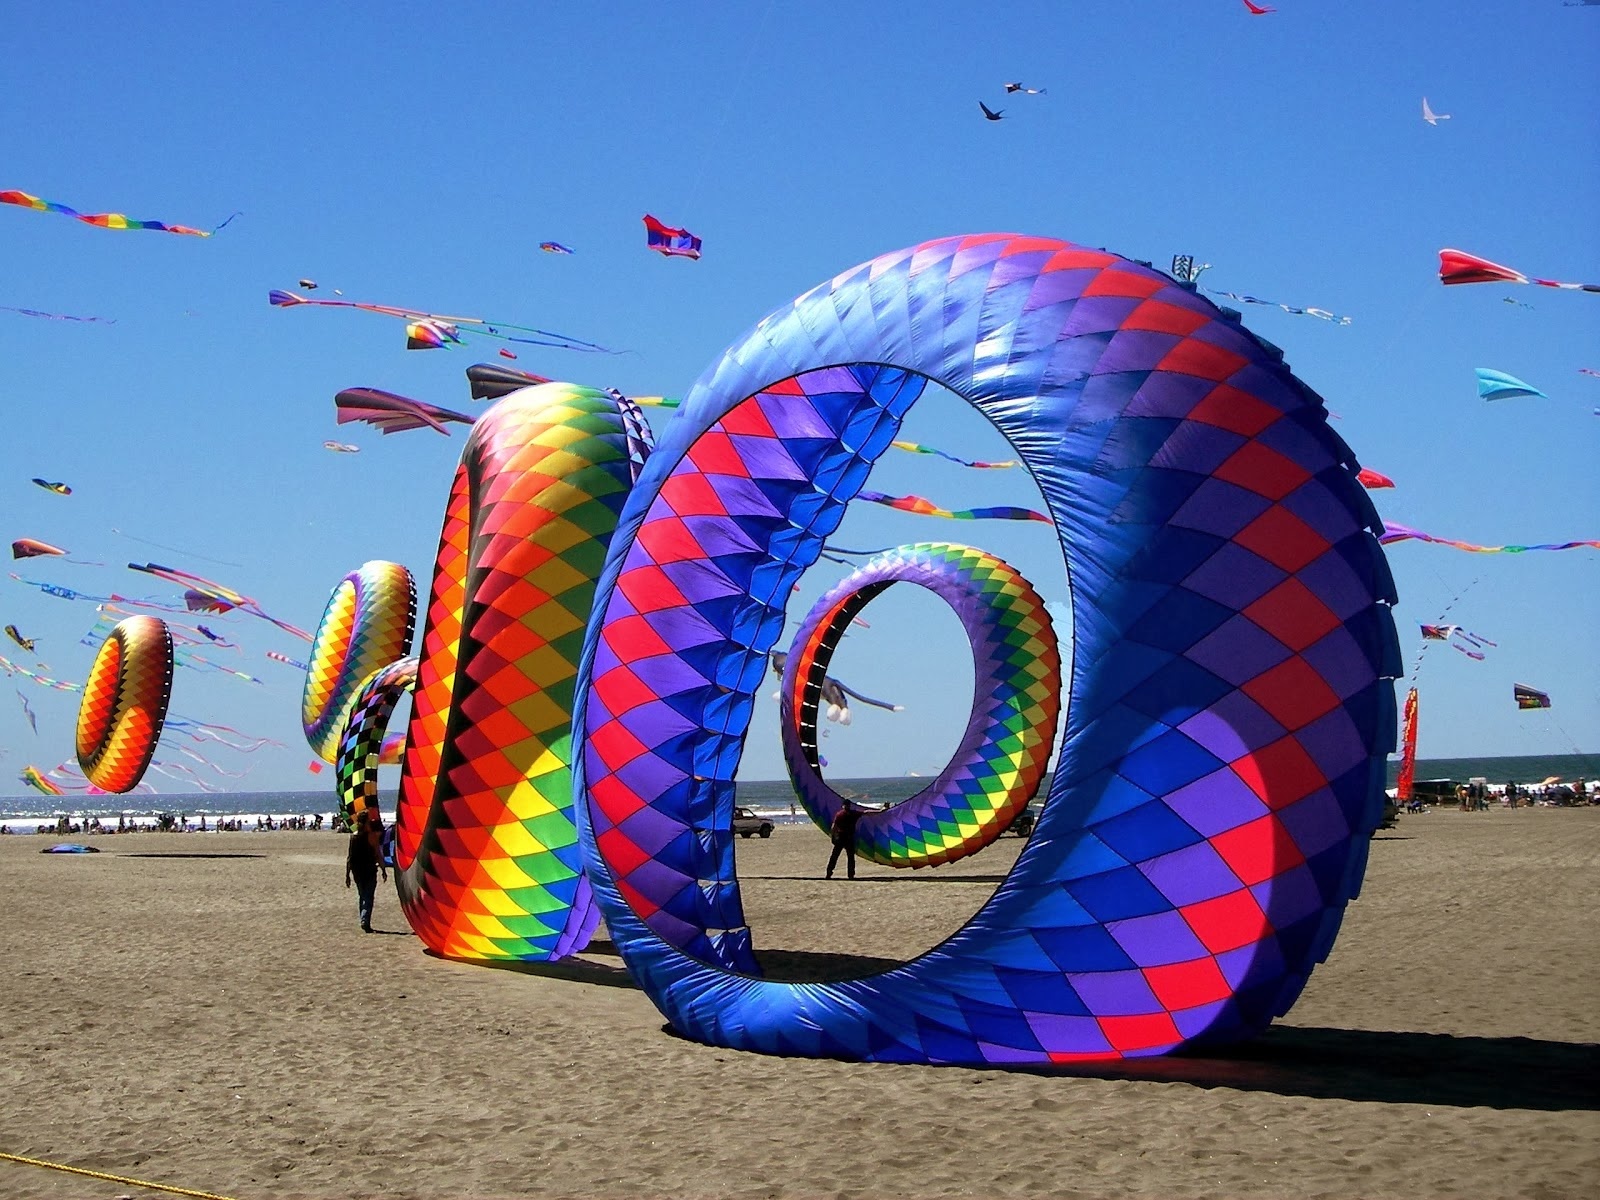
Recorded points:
(366, 626)
(1230, 704)
(124, 704)
(362, 745)
(486, 849)
(1016, 692)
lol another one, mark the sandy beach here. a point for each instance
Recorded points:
(202, 1011)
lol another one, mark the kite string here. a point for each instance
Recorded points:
(157, 1187)
(186, 553)
(693, 192)
(1416, 667)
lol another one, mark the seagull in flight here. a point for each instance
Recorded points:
(1431, 117)
(989, 113)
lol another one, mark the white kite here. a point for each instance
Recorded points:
(1431, 117)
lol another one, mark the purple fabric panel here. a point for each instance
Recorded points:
(699, 580)
(1156, 941)
(1333, 743)
(1314, 504)
(1135, 350)
(1198, 447)
(647, 828)
(1219, 802)
(1220, 508)
(1232, 727)
(1238, 651)
(1288, 897)
(1339, 659)
(1315, 823)
(1191, 875)
(1234, 576)
(665, 674)
(685, 626)
(650, 775)
(1116, 993)
(1163, 395)
(1336, 585)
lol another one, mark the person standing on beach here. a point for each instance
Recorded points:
(843, 834)
(363, 863)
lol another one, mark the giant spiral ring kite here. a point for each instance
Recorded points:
(487, 856)
(1016, 693)
(124, 703)
(366, 626)
(1230, 704)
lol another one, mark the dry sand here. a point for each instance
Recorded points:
(221, 1023)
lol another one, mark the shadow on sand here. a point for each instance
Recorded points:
(1382, 1066)
(1390, 1067)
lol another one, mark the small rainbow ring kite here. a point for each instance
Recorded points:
(366, 626)
(486, 849)
(362, 745)
(124, 703)
(1230, 705)
(1003, 752)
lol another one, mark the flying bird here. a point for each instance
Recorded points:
(1026, 91)
(1431, 117)
(989, 113)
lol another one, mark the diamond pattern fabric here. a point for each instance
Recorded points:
(366, 626)
(361, 744)
(1230, 703)
(487, 856)
(1001, 757)
(124, 703)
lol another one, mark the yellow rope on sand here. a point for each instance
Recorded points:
(144, 1183)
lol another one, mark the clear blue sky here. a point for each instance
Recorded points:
(421, 161)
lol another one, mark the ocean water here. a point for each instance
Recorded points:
(772, 798)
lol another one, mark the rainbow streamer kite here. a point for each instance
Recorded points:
(1457, 266)
(206, 595)
(426, 330)
(35, 778)
(915, 448)
(50, 316)
(103, 220)
(927, 508)
(1399, 533)
(59, 685)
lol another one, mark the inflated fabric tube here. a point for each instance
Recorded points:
(487, 853)
(1016, 700)
(1230, 704)
(124, 703)
(366, 626)
(363, 745)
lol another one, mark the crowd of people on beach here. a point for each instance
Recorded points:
(63, 826)
(1479, 796)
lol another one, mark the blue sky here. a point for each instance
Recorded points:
(421, 162)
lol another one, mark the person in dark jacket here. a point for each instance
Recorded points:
(843, 834)
(363, 863)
